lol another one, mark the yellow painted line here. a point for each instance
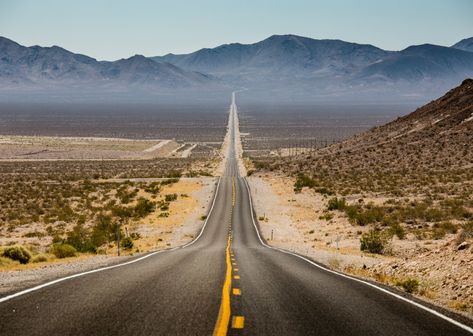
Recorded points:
(238, 322)
(236, 291)
(233, 191)
(223, 319)
(236, 277)
(235, 269)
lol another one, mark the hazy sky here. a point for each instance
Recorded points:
(110, 30)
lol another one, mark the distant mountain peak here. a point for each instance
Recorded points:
(136, 59)
(465, 44)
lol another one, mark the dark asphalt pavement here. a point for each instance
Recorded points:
(179, 292)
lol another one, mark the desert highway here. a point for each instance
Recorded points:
(227, 281)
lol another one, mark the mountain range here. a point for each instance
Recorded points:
(56, 67)
(282, 66)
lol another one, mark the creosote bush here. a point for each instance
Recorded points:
(409, 285)
(144, 207)
(127, 243)
(170, 197)
(336, 204)
(398, 230)
(303, 181)
(62, 250)
(17, 253)
(372, 241)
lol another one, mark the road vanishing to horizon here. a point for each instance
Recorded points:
(227, 281)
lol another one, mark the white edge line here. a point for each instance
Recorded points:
(32, 289)
(418, 305)
(208, 216)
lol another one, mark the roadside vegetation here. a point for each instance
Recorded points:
(425, 204)
(52, 210)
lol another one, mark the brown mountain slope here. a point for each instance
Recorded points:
(437, 135)
(429, 147)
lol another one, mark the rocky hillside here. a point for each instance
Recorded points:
(435, 136)
(429, 148)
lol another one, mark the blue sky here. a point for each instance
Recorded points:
(110, 30)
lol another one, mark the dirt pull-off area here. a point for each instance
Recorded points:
(21, 148)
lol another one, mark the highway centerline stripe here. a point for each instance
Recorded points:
(223, 319)
(238, 322)
(233, 191)
(236, 291)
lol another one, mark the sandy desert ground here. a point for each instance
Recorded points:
(21, 148)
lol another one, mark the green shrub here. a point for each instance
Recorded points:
(327, 217)
(261, 165)
(438, 233)
(398, 230)
(303, 181)
(135, 235)
(174, 174)
(18, 253)
(170, 181)
(63, 250)
(143, 207)
(122, 212)
(323, 191)
(409, 285)
(336, 204)
(170, 197)
(372, 214)
(448, 227)
(79, 238)
(126, 196)
(153, 188)
(104, 231)
(372, 242)
(127, 243)
(164, 207)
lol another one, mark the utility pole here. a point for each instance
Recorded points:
(118, 238)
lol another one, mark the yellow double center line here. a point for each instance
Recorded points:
(233, 192)
(224, 313)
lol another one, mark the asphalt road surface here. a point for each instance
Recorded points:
(227, 281)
